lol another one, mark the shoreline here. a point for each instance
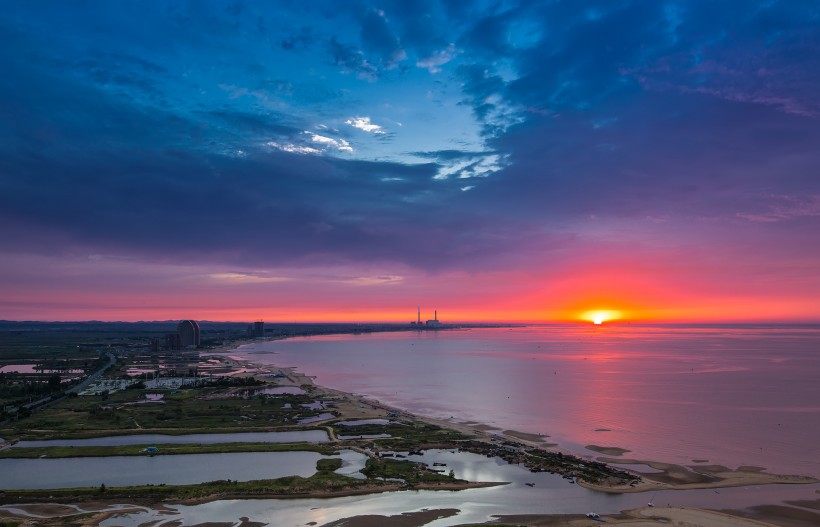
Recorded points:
(357, 406)
(670, 477)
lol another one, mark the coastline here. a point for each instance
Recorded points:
(356, 406)
(669, 477)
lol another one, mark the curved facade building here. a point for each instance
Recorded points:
(188, 333)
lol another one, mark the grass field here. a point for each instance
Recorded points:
(186, 411)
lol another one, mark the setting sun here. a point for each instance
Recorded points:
(599, 317)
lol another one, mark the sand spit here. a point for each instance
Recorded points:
(406, 519)
(679, 477)
(608, 450)
(535, 438)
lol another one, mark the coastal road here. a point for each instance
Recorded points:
(46, 401)
(94, 376)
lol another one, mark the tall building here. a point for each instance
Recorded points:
(172, 342)
(188, 331)
(257, 329)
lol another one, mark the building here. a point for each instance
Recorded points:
(172, 342)
(257, 329)
(429, 324)
(188, 331)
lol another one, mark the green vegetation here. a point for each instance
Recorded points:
(190, 410)
(328, 465)
(404, 436)
(409, 471)
(322, 481)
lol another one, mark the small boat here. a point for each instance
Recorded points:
(529, 484)
(596, 517)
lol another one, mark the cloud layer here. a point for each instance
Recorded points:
(404, 143)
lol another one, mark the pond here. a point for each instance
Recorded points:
(362, 422)
(296, 436)
(52, 473)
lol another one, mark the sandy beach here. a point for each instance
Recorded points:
(669, 477)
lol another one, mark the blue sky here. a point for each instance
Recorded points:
(410, 144)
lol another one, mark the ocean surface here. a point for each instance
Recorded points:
(724, 395)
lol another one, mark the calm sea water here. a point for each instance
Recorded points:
(732, 396)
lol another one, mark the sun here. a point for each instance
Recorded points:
(598, 317)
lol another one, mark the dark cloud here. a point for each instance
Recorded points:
(379, 39)
(144, 133)
(350, 59)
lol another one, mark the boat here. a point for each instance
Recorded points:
(596, 517)
(529, 484)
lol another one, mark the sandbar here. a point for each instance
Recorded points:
(405, 519)
(608, 450)
(679, 477)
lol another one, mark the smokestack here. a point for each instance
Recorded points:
(419, 319)
(435, 315)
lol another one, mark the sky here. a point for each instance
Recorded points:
(350, 161)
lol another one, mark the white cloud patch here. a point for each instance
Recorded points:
(293, 149)
(364, 124)
(481, 166)
(312, 144)
(245, 278)
(328, 142)
(437, 59)
(374, 280)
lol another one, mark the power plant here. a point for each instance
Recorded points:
(429, 324)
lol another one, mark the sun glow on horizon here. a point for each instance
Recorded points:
(598, 317)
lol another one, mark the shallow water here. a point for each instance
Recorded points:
(313, 436)
(551, 494)
(182, 469)
(735, 396)
(279, 390)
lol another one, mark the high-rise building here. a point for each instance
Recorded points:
(188, 331)
(172, 342)
(257, 329)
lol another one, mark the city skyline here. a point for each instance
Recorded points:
(502, 161)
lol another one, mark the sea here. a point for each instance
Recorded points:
(727, 395)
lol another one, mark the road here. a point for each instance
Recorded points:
(45, 401)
